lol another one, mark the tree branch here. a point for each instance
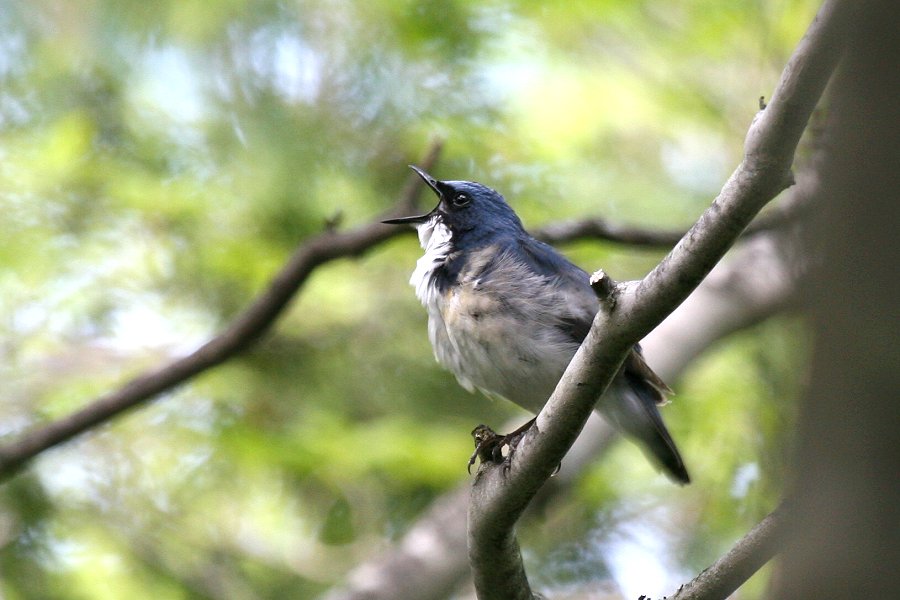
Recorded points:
(601, 229)
(243, 332)
(430, 560)
(747, 556)
(246, 329)
(499, 496)
(252, 324)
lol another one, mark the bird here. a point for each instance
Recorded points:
(507, 312)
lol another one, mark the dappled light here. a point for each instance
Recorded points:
(158, 167)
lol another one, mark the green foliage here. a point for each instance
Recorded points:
(159, 162)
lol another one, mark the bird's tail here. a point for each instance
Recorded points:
(634, 396)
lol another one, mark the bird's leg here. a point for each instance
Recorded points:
(485, 445)
(489, 445)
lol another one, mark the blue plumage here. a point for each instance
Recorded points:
(507, 312)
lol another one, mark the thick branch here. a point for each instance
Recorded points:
(245, 330)
(430, 560)
(498, 496)
(747, 556)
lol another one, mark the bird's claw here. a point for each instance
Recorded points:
(486, 445)
(489, 445)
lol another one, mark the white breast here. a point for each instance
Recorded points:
(435, 239)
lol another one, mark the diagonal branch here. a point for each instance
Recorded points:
(744, 559)
(243, 332)
(498, 496)
(428, 562)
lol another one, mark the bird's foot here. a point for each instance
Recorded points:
(489, 445)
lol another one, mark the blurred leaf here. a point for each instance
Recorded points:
(159, 164)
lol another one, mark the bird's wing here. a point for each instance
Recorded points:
(637, 366)
(575, 302)
(636, 390)
(580, 304)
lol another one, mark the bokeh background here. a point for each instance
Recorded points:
(160, 161)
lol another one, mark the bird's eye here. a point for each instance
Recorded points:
(461, 199)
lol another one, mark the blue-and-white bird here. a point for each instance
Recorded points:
(506, 313)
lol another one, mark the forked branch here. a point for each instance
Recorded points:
(499, 497)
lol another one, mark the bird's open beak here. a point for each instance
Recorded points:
(435, 185)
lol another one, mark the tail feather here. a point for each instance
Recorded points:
(633, 407)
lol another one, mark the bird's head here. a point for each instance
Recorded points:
(473, 213)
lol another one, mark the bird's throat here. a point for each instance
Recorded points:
(436, 240)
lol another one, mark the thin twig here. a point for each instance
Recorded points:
(601, 229)
(744, 559)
